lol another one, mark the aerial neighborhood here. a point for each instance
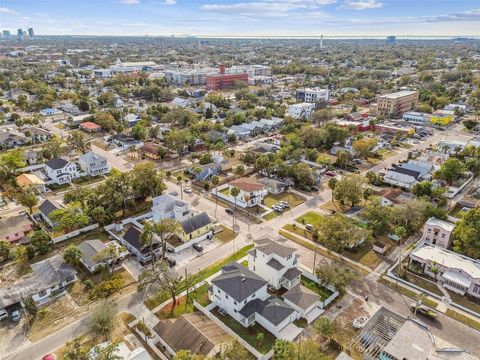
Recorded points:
(210, 198)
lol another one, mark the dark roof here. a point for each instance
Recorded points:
(268, 247)
(412, 173)
(133, 237)
(272, 309)
(196, 222)
(90, 249)
(275, 264)
(47, 207)
(56, 163)
(292, 273)
(238, 282)
(301, 296)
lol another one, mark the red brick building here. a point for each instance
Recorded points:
(225, 81)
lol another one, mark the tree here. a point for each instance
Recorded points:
(168, 281)
(451, 170)
(324, 327)
(334, 275)
(401, 232)
(283, 350)
(423, 188)
(239, 171)
(75, 351)
(5, 250)
(187, 355)
(27, 196)
(364, 146)
(109, 256)
(337, 232)
(140, 131)
(322, 116)
(54, 148)
(78, 142)
(72, 255)
(234, 191)
(378, 217)
(147, 181)
(20, 254)
(30, 306)
(177, 140)
(332, 183)
(41, 240)
(350, 188)
(69, 218)
(466, 234)
(234, 351)
(102, 320)
(343, 158)
(106, 351)
(163, 230)
(215, 182)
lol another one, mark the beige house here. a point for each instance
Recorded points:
(395, 104)
(438, 232)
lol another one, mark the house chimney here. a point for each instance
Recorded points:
(222, 69)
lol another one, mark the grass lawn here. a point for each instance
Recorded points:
(271, 215)
(464, 319)
(310, 217)
(319, 289)
(245, 263)
(225, 235)
(200, 295)
(225, 191)
(248, 334)
(293, 199)
(154, 301)
(407, 292)
(466, 301)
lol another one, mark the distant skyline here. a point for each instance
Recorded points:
(225, 18)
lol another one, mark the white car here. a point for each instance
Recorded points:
(187, 190)
(359, 322)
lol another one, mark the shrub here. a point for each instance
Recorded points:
(88, 284)
(109, 287)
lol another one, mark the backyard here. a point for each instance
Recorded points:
(250, 334)
(200, 295)
(293, 199)
(315, 287)
(310, 217)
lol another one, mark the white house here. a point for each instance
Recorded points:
(455, 272)
(243, 295)
(93, 164)
(438, 232)
(251, 192)
(312, 95)
(166, 206)
(301, 111)
(275, 263)
(61, 171)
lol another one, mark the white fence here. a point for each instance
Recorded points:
(232, 333)
(314, 278)
(74, 233)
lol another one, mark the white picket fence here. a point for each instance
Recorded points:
(72, 234)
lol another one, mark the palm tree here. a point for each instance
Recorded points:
(332, 183)
(239, 171)
(179, 182)
(215, 182)
(132, 149)
(147, 238)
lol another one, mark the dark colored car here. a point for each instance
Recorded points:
(197, 247)
(229, 211)
(171, 262)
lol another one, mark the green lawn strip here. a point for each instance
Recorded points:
(319, 289)
(200, 295)
(249, 334)
(310, 217)
(321, 251)
(293, 199)
(410, 293)
(271, 215)
(154, 301)
(463, 319)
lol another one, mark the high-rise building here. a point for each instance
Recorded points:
(6, 34)
(31, 34)
(20, 35)
(391, 39)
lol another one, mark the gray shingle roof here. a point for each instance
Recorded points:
(272, 309)
(301, 296)
(165, 203)
(238, 282)
(90, 249)
(275, 264)
(56, 163)
(268, 247)
(47, 207)
(292, 273)
(90, 157)
(196, 222)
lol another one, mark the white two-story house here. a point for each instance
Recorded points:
(243, 295)
(438, 232)
(93, 164)
(275, 263)
(60, 171)
(251, 192)
(168, 207)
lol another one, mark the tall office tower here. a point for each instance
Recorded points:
(31, 34)
(321, 41)
(6, 34)
(20, 35)
(391, 39)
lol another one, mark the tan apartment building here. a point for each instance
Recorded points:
(395, 104)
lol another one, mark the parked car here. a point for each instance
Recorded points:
(357, 161)
(15, 315)
(277, 208)
(198, 247)
(171, 262)
(309, 227)
(169, 249)
(3, 314)
(359, 322)
(49, 357)
(314, 188)
(285, 204)
(331, 173)
(424, 311)
(187, 190)
(229, 211)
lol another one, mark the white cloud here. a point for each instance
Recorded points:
(361, 4)
(4, 10)
(169, 2)
(130, 2)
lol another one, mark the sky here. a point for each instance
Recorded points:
(223, 18)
